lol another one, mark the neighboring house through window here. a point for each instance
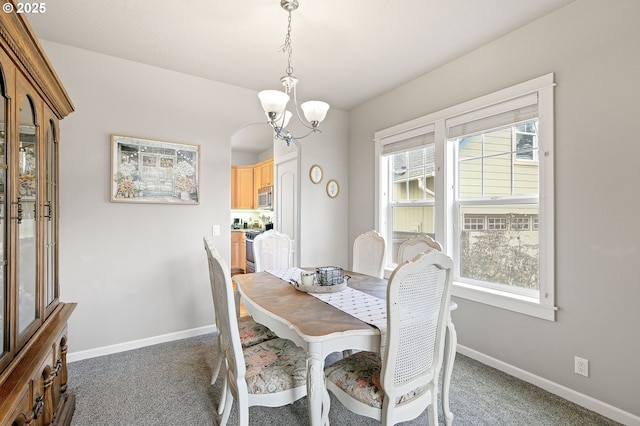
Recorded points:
(478, 177)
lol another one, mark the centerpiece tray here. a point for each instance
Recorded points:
(321, 288)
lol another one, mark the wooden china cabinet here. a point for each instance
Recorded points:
(33, 320)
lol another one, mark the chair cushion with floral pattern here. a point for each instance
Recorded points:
(358, 375)
(252, 333)
(274, 366)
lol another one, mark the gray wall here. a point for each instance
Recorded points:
(139, 272)
(593, 48)
(324, 220)
(324, 225)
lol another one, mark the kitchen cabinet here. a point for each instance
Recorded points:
(246, 181)
(262, 177)
(238, 252)
(263, 174)
(33, 320)
(242, 191)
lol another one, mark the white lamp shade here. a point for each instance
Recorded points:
(315, 111)
(273, 101)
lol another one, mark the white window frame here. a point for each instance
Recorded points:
(542, 305)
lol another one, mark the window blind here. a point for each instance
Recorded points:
(408, 140)
(492, 117)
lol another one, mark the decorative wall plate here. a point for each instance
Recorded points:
(333, 188)
(315, 173)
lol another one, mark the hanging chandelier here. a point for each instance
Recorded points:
(274, 102)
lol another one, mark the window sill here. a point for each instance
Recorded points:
(500, 299)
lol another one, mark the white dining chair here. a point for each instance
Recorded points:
(404, 384)
(368, 254)
(271, 373)
(272, 250)
(251, 333)
(408, 250)
(416, 245)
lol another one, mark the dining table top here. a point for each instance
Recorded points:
(309, 315)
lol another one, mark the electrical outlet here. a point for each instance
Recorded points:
(215, 230)
(582, 366)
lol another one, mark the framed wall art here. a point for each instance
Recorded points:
(333, 188)
(152, 171)
(315, 173)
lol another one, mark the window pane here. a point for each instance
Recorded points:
(525, 178)
(527, 141)
(525, 146)
(499, 244)
(497, 142)
(499, 163)
(412, 195)
(413, 174)
(470, 147)
(497, 176)
(409, 221)
(470, 178)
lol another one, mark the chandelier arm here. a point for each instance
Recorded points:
(308, 133)
(284, 134)
(303, 121)
(283, 118)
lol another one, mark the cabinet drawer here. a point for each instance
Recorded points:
(33, 391)
(22, 412)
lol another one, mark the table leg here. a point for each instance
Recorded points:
(450, 343)
(317, 394)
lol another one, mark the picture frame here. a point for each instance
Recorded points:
(333, 188)
(153, 171)
(315, 173)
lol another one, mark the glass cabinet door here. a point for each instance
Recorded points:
(26, 213)
(3, 222)
(51, 229)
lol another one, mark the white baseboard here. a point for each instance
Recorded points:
(583, 400)
(135, 344)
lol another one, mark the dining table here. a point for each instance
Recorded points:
(322, 329)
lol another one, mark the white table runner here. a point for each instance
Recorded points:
(356, 303)
(287, 274)
(360, 305)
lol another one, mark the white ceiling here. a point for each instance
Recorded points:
(344, 52)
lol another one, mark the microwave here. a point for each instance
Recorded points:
(265, 198)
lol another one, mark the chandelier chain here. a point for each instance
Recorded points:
(287, 47)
